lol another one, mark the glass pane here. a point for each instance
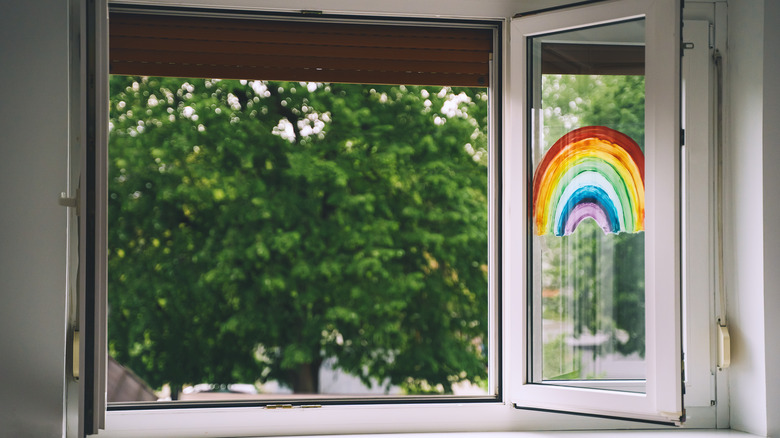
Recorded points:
(271, 238)
(587, 232)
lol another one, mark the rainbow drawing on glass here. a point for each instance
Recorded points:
(591, 172)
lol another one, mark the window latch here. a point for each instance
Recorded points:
(69, 201)
(724, 346)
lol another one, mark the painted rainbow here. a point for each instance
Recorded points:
(591, 172)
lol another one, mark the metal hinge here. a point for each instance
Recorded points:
(682, 374)
(75, 352)
(711, 36)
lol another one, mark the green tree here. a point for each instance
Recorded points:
(259, 228)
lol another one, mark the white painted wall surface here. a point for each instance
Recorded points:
(753, 215)
(33, 148)
(771, 174)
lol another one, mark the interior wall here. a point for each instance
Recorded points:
(33, 143)
(771, 161)
(749, 207)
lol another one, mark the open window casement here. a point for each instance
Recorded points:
(92, 345)
(595, 222)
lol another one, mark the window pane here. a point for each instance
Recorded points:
(587, 231)
(274, 238)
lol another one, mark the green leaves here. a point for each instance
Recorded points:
(282, 224)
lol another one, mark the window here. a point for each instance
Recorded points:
(523, 382)
(271, 240)
(588, 160)
(602, 243)
(283, 233)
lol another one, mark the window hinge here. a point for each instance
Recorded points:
(687, 46)
(682, 374)
(75, 352)
(682, 137)
(68, 201)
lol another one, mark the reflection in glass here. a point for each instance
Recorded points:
(587, 230)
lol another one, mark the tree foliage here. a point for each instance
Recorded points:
(259, 228)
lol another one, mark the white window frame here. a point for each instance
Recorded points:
(375, 418)
(662, 399)
(698, 177)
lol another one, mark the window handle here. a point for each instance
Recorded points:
(69, 201)
(724, 346)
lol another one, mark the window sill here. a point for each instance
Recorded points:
(391, 421)
(689, 433)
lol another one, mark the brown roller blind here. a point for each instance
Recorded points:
(592, 59)
(236, 48)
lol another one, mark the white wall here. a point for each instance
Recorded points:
(771, 175)
(33, 144)
(753, 207)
